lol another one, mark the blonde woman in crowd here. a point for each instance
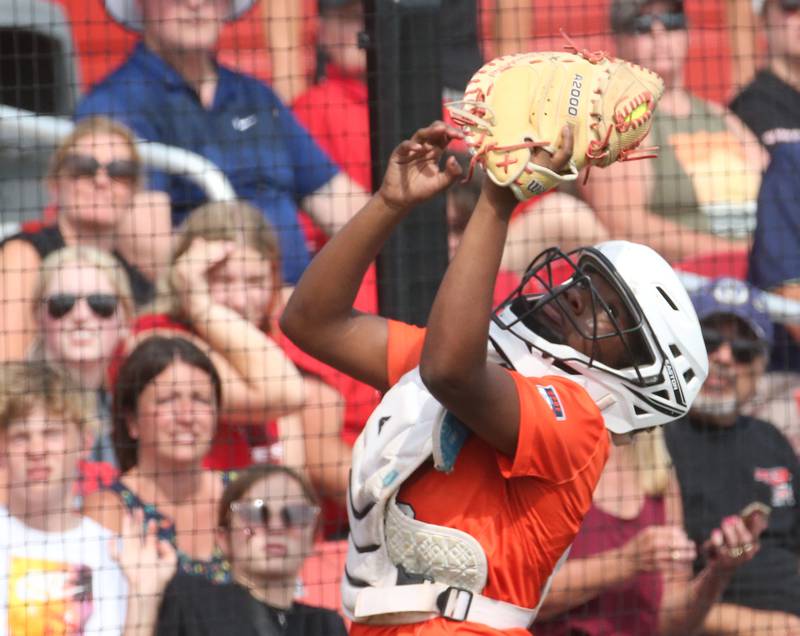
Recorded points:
(95, 185)
(82, 311)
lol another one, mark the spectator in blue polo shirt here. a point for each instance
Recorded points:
(172, 90)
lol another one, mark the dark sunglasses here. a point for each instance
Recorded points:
(642, 24)
(744, 350)
(103, 305)
(789, 6)
(79, 166)
(257, 513)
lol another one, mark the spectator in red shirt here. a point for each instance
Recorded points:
(221, 292)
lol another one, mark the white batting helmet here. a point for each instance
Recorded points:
(666, 361)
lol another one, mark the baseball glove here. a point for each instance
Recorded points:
(518, 103)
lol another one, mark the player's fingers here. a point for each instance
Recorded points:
(563, 153)
(451, 173)
(453, 168)
(437, 134)
(407, 151)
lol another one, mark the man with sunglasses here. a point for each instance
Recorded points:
(726, 461)
(770, 103)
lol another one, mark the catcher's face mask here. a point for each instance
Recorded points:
(579, 300)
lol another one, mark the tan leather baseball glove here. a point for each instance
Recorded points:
(516, 104)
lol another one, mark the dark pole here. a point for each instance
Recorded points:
(402, 39)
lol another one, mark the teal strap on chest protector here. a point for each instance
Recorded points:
(448, 440)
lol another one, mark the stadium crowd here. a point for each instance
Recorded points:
(171, 463)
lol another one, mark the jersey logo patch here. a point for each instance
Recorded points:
(550, 396)
(243, 123)
(779, 480)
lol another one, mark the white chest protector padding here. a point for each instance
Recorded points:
(389, 552)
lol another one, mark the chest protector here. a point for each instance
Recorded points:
(402, 570)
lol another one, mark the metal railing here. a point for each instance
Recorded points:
(25, 130)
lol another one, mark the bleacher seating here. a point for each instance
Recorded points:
(39, 74)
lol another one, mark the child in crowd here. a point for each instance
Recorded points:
(56, 574)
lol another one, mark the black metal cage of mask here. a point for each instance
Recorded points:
(580, 265)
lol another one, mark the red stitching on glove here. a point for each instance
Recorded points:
(595, 57)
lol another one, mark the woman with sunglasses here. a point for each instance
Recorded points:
(165, 412)
(699, 196)
(94, 182)
(267, 520)
(83, 307)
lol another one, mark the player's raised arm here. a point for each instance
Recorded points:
(319, 317)
(454, 366)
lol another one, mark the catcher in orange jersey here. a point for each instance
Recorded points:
(472, 476)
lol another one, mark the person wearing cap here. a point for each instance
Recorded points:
(699, 195)
(770, 103)
(726, 461)
(172, 90)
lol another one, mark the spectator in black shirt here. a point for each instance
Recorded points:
(770, 103)
(268, 516)
(725, 461)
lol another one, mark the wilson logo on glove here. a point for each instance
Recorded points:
(516, 104)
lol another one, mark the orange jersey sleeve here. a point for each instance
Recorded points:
(561, 430)
(403, 349)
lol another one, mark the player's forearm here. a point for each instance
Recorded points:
(455, 346)
(581, 580)
(329, 285)
(684, 607)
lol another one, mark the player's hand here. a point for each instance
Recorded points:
(503, 199)
(659, 549)
(732, 544)
(413, 174)
(560, 158)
